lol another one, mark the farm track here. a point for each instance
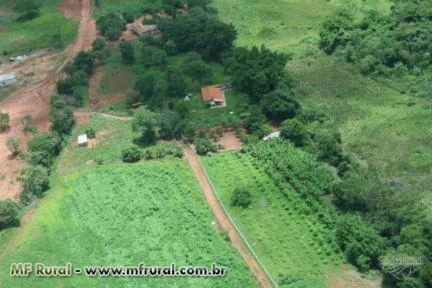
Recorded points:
(34, 98)
(224, 220)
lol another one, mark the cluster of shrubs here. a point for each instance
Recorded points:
(134, 153)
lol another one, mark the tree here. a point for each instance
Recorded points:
(256, 72)
(131, 154)
(28, 123)
(100, 49)
(127, 52)
(8, 214)
(170, 125)
(199, 31)
(241, 197)
(13, 145)
(361, 243)
(154, 56)
(35, 181)
(111, 25)
(144, 121)
(294, 131)
(170, 47)
(151, 88)
(45, 142)
(197, 69)
(28, 9)
(279, 105)
(42, 158)
(84, 61)
(335, 31)
(203, 146)
(4, 121)
(176, 82)
(62, 119)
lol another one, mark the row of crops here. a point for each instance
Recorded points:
(150, 212)
(290, 232)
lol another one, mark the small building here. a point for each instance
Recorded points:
(213, 95)
(82, 140)
(272, 136)
(7, 79)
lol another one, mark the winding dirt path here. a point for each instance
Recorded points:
(224, 221)
(33, 96)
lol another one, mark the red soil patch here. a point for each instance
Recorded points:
(71, 8)
(97, 100)
(37, 78)
(87, 30)
(230, 141)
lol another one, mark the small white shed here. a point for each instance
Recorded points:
(6, 79)
(272, 136)
(82, 140)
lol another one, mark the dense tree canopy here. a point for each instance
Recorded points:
(280, 105)
(256, 72)
(199, 31)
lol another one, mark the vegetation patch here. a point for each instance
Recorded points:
(150, 213)
(283, 228)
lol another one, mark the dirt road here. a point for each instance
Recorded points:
(224, 221)
(37, 76)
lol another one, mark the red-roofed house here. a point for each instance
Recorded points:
(213, 95)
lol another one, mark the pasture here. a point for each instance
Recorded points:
(152, 212)
(380, 124)
(293, 245)
(50, 30)
(286, 25)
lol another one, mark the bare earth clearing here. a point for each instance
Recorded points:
(33, 94)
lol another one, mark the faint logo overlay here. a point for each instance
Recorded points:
(401, 266)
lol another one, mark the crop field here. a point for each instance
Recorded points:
(50, 29)
(285, 25)
(293, 245)
(150, 212)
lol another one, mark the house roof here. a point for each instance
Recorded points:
(213, 92)
(8, 76)
(82, 139)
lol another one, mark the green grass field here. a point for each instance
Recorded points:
(295, 247)
(49, 30)
(286, 25)
(151, 212)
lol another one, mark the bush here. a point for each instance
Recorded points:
(13, 144)
(42, 158)
(46, 142)
(4, 121)
(128, 17)
(131, 154)
(241, 197)
(91, 133)
(278, 105)
(127, 52)
(28, 123)
(8, 214)
(294, 131)
(360, 242)
(35, 181)
(203, 146)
